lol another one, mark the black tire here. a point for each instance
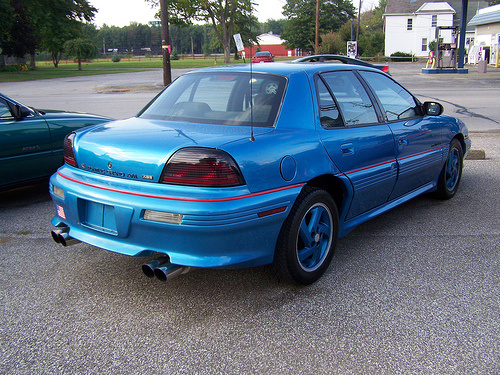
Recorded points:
(451, 174)
(302, 256)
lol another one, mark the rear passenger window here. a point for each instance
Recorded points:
(328, 110)
(397, 103)
(355, 104)
(4, 109)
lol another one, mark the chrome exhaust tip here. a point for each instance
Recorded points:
(66, 240)
(170, 271)
(149, 267)
(56, 233)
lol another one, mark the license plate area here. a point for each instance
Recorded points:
(100, 217)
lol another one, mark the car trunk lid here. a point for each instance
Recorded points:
(138, 149)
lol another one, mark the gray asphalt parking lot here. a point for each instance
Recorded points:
(415, 290)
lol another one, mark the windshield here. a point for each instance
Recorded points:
(222, 98)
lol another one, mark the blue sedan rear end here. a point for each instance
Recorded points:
(233, 167)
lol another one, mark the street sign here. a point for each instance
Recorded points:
(352, 49)
(238, 42)
(154, 23)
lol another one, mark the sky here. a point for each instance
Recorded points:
(122, 12)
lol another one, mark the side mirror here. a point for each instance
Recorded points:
(21, 112)
(433, 108)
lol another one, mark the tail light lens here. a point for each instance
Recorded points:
(385, 68)
(69, 152)
(199, 166)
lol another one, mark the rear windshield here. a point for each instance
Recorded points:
(221, 98)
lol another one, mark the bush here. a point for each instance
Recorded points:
(174, 55)
(115, 58)
(9, 68)
(331, 42)
(401, 56)
(432, 45)
(371, 44)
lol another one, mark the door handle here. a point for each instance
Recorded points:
(403, 141)
(347, 149)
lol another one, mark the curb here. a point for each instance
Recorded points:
(476, 155)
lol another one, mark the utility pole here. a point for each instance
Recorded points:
(316, 42)
(359, 21)
(165, 40)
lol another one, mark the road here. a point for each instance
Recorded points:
(415, 290)
(114, 95)
(473, 97)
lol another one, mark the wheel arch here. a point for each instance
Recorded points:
(460, 137)
(333, 185)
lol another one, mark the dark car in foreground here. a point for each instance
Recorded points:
(262, 57)
(341, 59)
(31, 141)
(240, 166)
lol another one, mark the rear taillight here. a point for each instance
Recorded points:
(197, 166)
(385, 69)
(69, 153)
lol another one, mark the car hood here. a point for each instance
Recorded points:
(49, 114)
(138, 149)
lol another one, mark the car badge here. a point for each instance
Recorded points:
(110, 165)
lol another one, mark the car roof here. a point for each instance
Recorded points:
(332, 58)
(285, 68)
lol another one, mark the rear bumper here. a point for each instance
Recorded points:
(219, 228)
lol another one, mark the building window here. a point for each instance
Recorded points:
(434, 20)
(424, 44)
(409, 25)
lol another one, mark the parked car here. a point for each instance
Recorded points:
(31, 141)
(342, 60)
(235, 166)
(263, 56)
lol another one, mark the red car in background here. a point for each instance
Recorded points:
(263, 56)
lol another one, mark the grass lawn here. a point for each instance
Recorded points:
(68, 68)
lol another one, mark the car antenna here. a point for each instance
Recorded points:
(252, 138)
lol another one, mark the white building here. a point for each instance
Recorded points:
(486, 35)
(411, 25)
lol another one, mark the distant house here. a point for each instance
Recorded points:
(269, 42)
(486, 35)
(411, 25)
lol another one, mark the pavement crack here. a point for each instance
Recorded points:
(464, 111)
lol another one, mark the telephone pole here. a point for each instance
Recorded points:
(165, 41)
(316, 42)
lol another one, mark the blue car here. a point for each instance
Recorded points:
(240, 166)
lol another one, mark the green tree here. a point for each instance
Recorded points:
(6, 15)
(299, 31)
(80, 48)
(373, 20)
(371, 41)
(221, 14)
(59, 21)
(20, 38)
(276, 26)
